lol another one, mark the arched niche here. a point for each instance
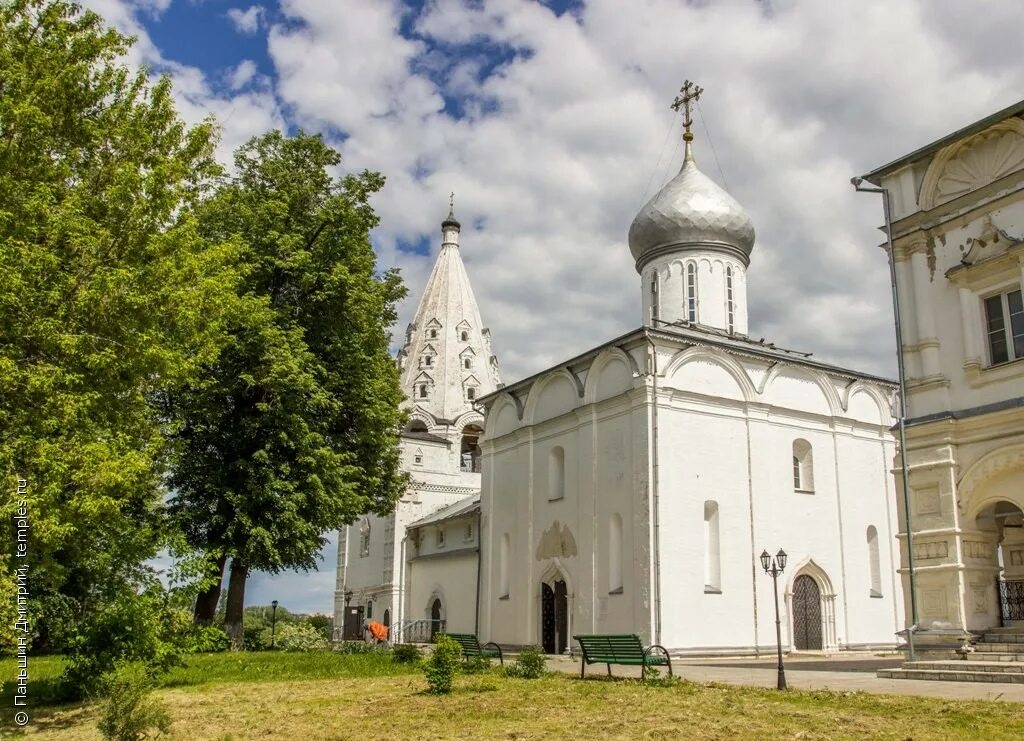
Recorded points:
(789, 387)
(610, 374)
(551, 397)
(502, 417)
(865, 406)
(703, 371)
(973, 163)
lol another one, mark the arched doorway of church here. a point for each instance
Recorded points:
(554, 617)
(436, 625)
(806, 614)
(1006, 521)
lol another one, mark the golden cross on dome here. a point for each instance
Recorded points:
(689, 94)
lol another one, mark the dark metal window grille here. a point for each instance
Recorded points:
(1011, 599)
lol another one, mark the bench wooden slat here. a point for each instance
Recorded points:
(623, 649)
(471, 647)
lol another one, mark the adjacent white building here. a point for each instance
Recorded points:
(446, 364)
(958, 235)
(632, 488)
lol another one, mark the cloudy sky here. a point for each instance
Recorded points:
(551, 123)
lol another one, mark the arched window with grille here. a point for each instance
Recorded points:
(803, 466)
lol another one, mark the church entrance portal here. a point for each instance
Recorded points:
(806, 614)
(1006, 521)
(554, 622)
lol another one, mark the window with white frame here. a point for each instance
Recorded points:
(1004, 326)
(470, 393)
(691, 291)
(730, 304)
(803, 466)
(428, 360)
(464, 336)
(467, 363)
(423, 391)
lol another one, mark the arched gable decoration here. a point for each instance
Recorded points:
(606, 358)
(796, 371)
(555, 571)
(884, 415)
(989, 465)
(716, 357)
(538, 388)
(469, 417)
(420, 415)
(970, 164)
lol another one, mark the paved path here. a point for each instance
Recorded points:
(805, 674)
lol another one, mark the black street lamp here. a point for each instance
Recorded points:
(273, 624)
(348, 597)
(774, 567)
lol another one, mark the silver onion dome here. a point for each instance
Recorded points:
(690, 211)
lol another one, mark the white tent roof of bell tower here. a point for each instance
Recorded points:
(448, 306)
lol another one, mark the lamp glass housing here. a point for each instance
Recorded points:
(766, 560)
(781, 558)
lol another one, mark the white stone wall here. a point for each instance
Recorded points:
(725, 433)
(711, 308)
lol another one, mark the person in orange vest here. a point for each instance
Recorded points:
(379, 631)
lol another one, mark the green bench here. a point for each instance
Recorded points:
(621, 649)
(471, 647)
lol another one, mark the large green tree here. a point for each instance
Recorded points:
(109, 296)
(292, 431)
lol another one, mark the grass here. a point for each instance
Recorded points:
(324, 696)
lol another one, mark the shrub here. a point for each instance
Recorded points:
(531, 664)
(129, 712)
(356, 647)
(407, 653)
(300, 637)
(255, 637)
(476, 665)
(442, 665)
(134, 627)
(208, 639)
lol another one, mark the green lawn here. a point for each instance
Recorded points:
(328, 696)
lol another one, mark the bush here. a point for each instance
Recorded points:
(442, 665)
(255, 637)
(129, 712)
(406, 653)
(357, 647)
(208, 639)
(476, 665)
(531, 664)
(134, 627)
(300, 637)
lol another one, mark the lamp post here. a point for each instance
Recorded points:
(273, 624)
(773, 567)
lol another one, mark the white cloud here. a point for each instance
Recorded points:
(247, 21)
(242, 75)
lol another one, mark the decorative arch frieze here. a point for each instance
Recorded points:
(872, 391)
(831, 396)
(970, 164)
(597, 367)
(537, 390)
(471, 417)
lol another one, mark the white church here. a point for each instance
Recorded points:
(632, 488)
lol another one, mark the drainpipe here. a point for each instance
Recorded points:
(479, 558)
(654, 490)
(401, 592)
(903, 405)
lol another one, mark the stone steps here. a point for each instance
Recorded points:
(951, 676)
(956, 665)
(1011, 649)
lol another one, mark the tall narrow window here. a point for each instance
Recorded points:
(556, 473)
(423, 391)
(691, 292)
(1004, 315)
(471, 393)
(467, 363)
(874, 564)
(712, 554)
(615, 554)
(503, 557)
(803, 466)
(364, 538)
(369, 609)
(654, 296)
(730, 305)
(427, 360)
(464, 335)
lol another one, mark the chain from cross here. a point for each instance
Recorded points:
(689, 94)
(451, 200)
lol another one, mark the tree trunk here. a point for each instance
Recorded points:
(236, 603)
(206, 602)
